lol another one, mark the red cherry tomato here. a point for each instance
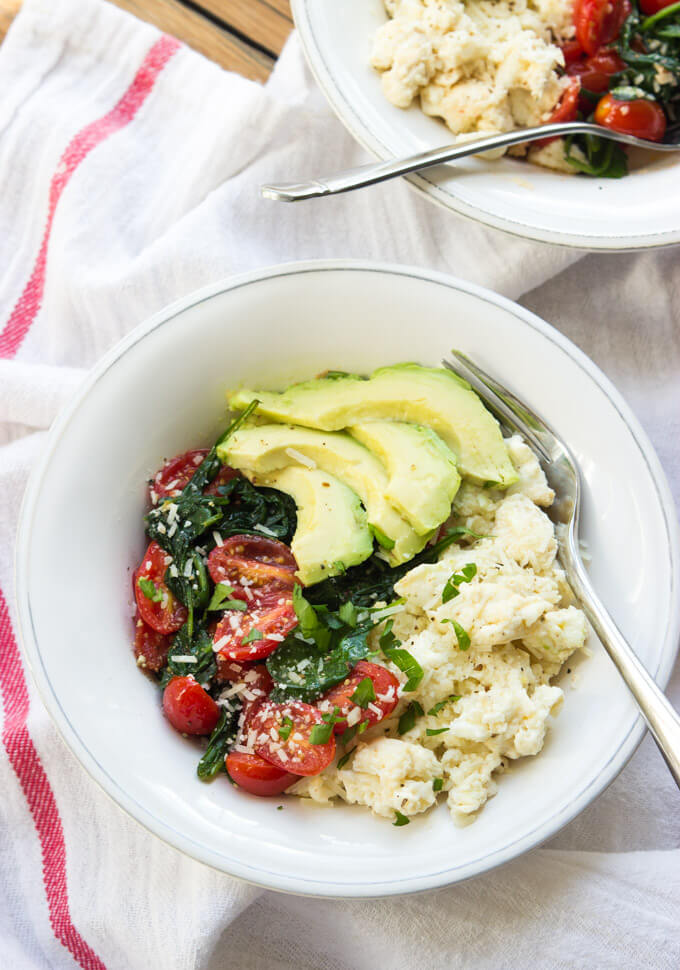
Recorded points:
(157, 606)
(234, 636)
(385, 686)
(188, 707)
(572, 51)
(598, 22)
(568, 104)
(282, 734)
(642, 118)
(596, 71)
(257, 561)
(257, 776)
(151, 648)
(650, 7)
(255, 678)
(566, 109)
(175, 474)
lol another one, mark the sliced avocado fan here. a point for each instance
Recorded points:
(332, 531)
(428, 396)
(423, 478)
(262, 449)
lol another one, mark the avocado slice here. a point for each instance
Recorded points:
(265, 448)
(332, 532)
(423, 478)
(404, 392)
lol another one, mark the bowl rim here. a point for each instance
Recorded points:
(422, 184)
(254, 874)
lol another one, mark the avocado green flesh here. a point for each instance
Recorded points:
(263, 449)
(332, 532)
(405, 392)
(421, 469)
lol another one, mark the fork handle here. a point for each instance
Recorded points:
(662, 720)
(356, 178)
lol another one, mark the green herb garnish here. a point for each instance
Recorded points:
(408, 665)
(252, 635)
(343, 761)
(222, 599)
(441, 704)
(364, 693)
(408, 718)
(432, 731)
(466, 575)
(286, 728)
(400, 819)
(150, 590)
(437, 784)
(462, 635)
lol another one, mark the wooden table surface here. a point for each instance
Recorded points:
(241, 35)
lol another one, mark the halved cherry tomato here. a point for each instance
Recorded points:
(598, 22)
(385, 686)
(566, 109)
(257, 776)
(160, 610)
(151, 648)
(572, 51)
(596, 71)
(251, 561)
(649, 7)
(188, 707)
(282, 737)
(641, 117)
(273, 617)
(255, 677)
(175, 474)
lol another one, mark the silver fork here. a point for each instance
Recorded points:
(563, 476)
(356, 178)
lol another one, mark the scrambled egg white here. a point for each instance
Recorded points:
(481, 65)
(492, 700)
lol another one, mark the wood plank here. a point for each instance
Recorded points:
(283, 6)
(258, 20)
(191, 28)
(8, 11)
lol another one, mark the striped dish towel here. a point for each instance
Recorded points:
(129, 169)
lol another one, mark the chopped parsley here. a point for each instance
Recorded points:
(400, 819)
(466, 575)
(462, 635)
(222, 599)
(364, 693)
(437, 784)
(442, 704)
(408, 718)
(432, 731)
(321, 733)
(401, 658)
(343, 761)
(252, 635)
(286, 728)
(150, 590)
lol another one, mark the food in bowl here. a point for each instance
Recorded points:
(354, 594)
(489, 66)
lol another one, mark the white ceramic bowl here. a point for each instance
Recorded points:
(161, 391)
(638, 212)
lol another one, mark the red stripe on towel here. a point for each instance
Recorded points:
(43, 807)
(29, 303)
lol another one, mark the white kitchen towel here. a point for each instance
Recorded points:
(129, 174)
